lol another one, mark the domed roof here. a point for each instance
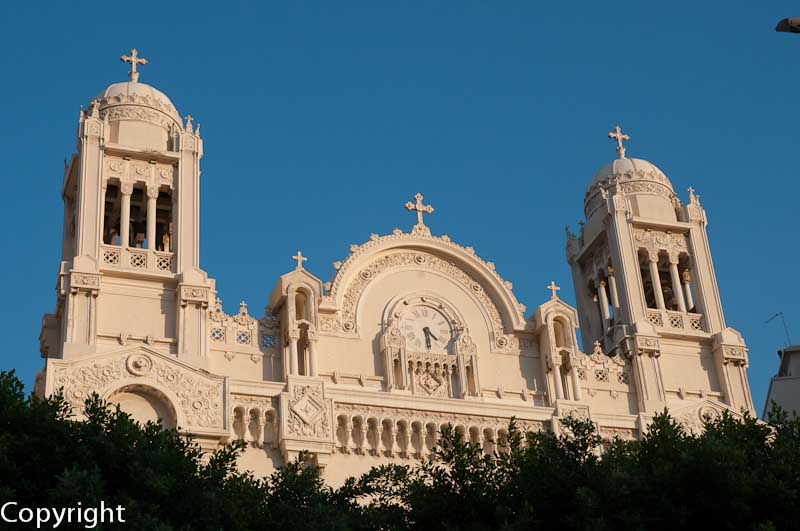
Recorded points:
(141, 95)
(626, 169)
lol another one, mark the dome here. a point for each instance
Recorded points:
(647, 189)
(139, 116)
(630, 170)
(134, 100)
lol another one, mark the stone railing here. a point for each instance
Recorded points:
(136, 259)
(670, 320)
(412, 434)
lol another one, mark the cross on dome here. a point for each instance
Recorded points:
(620, 137)
(420, 209)
(134, 60)
(553, 288)
(300, 259)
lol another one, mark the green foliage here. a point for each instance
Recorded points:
(738, 474)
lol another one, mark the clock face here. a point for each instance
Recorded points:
(426, 329)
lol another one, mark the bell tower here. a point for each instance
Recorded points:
(646, 289)
(129, 270)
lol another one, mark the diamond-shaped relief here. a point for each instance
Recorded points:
(308, 408)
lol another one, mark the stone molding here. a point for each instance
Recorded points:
(487, 275)
(348, 314)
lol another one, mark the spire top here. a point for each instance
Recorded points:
(553, 288)
(420, 209)
(134, 60)
(620, 137)
(300, 259)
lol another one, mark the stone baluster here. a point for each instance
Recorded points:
(379, 439)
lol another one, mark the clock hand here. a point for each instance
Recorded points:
(427, 332)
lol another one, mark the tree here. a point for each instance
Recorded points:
(737, 474)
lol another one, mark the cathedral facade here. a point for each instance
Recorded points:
(413, 332)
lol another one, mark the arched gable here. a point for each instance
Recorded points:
(339, 308)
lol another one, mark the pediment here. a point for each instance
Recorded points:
(692, 416)
(197, 396)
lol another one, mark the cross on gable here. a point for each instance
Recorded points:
(300, 259)
(620, 137)
(553, 288)
(419, 208)
(134, 60)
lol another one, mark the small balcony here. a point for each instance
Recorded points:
(132, 258)
(676, 321)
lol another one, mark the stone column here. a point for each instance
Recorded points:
(676, 282)
(576, 383)
(557, 378)
(312, 357)
(652, 257)
(602, 299)
(612, 285)
(687, 288)
(126, 189)
(152, 196)
(292, 355)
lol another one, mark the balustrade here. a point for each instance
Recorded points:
(134, 258)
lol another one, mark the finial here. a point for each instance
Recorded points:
(189, 123)
(598, 348)
(300, 259)
(420, 209)
(242, 308)
(693, 199)
(620, 137)
(134, 60)
(553, 288)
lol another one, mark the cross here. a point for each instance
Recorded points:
(300, 259)
(419, 208)
(618, 135)
(134, 60)
(553, 288)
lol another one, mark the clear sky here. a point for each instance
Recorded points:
(321, 119)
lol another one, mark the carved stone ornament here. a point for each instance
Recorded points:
(433, 381)
(308, 414)
(693, 421)
(139, 364)
(654, 240)
(734, 355)
(84, 282)
(647, 345)
(200, 399)
(195, 294)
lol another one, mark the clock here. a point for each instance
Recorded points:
(426, 330)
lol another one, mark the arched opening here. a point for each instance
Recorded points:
(300, 306)
(145, 404)
(560, 332)
(302, 351)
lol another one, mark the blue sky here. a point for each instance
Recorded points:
(321, 119)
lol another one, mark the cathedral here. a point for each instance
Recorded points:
(413, 332)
